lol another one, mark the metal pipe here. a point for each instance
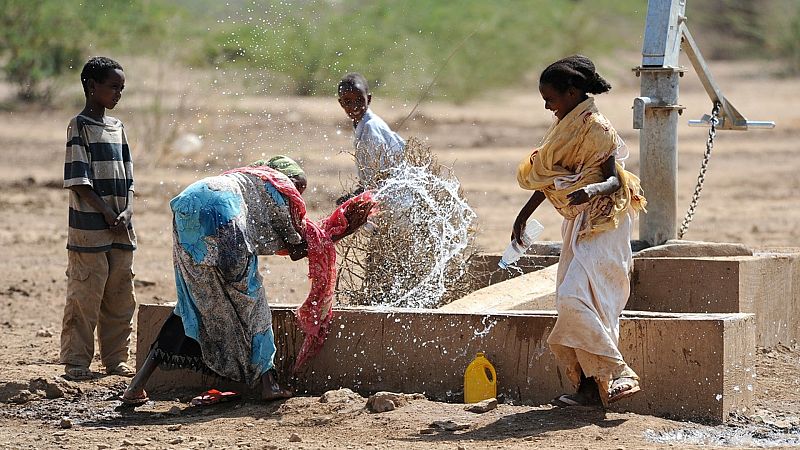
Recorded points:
(760, 124)
(658, 149)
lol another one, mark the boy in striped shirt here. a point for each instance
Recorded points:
(98, 171)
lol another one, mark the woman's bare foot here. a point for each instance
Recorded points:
(134, 398)
(270, 389)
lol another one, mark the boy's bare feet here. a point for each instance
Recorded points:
(121, 369)
(77, 373)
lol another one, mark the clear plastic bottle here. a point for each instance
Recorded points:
(514, 251)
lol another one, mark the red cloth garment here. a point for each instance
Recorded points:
(315, 314)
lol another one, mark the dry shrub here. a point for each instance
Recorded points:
(417, 252)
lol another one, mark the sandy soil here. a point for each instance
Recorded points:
(750, 196)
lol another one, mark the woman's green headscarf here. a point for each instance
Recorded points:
(282, 164)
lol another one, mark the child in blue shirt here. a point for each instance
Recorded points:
(377, 148)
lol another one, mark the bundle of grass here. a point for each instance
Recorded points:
(415, 254)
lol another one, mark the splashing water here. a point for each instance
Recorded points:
(439, 224)
(487, 327)
(419, 248)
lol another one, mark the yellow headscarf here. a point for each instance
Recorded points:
(570, 158)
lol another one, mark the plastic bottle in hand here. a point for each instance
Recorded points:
(514, 251)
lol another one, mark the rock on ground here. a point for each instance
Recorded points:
(482, 407)
(387, 401)
(343, 395)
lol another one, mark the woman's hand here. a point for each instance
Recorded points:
(533, 202)
(356, 214)
(582, 195)
(607, 187)
(519, 228)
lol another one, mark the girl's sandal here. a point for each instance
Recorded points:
(622, 388)
(567, 400)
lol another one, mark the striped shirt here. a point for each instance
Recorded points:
(97, 156)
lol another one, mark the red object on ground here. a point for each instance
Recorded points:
(213, 396)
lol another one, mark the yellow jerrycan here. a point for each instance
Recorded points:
(480, 380)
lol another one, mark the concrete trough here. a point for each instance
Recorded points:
(693, 366)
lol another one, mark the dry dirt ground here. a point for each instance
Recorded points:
(750, 196)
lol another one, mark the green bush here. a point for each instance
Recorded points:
(737, 29)
(38, 42)
(401, 45)
(42, 40)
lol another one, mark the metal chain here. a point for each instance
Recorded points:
(701, 178)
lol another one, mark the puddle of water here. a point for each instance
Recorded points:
(758, 436)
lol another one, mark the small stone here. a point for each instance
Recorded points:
(249, 425)
(102, 446)
(388, 401)
(44, 333)
(126, 442)
(140, 443)
(23, 396)
(482, 407)
(175, 441)
(174, 411)
(60, 433)
(343, 395)
(462, 447)
(782, 424)
(449, 425)
(427, 430)
(66, 422)
(295, 438)
(175, 427)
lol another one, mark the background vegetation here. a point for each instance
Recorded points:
(304, 46)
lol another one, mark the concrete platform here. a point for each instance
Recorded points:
(765, 284)
(693, 366)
